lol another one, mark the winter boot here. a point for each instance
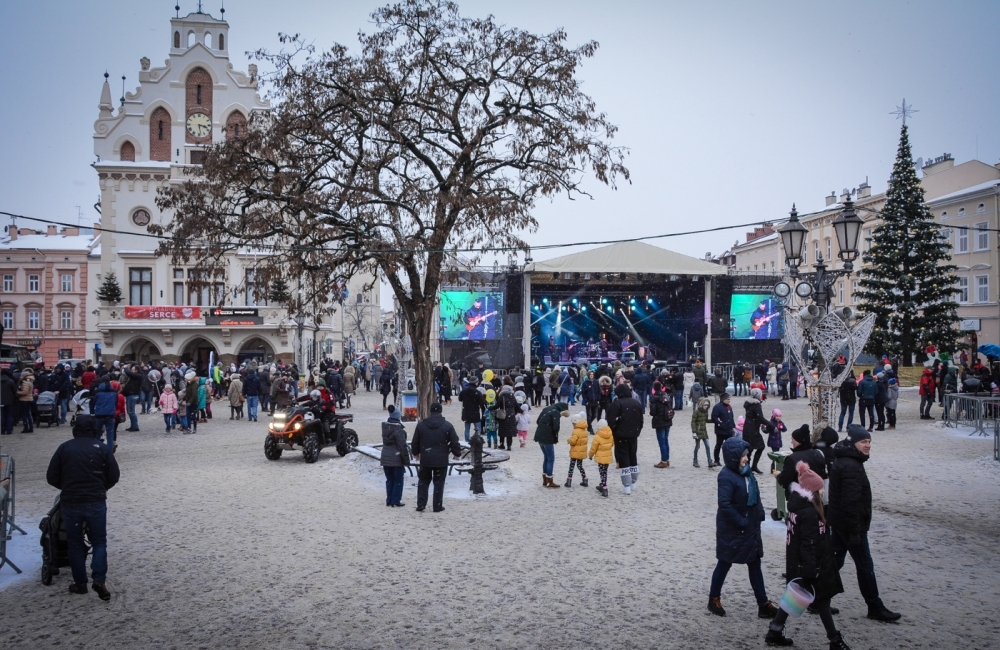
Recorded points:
(777, 637)
(662, 464)
(545, 480)
(767, 610)
(715, 606)
(101, 590)
(584, 483)
(635, 476)
(696, 463)
(569, 482)
(604, 491)
(838, 643)
(551, 483)
(879, 612)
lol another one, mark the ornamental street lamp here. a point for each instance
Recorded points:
(812, 333)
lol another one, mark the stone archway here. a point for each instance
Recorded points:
(140, 349)
(256, 348)
(197, 352)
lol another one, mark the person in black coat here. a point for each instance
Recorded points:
(432, 439)
(384, 386)
(662, 411)
(848, 400)
(473, 407)
(626, 417)
(802, 451)
(809, 558)
(725, 423)
(850, 515)
(505, 403)
(717, 384)
(8, 401)
(395, 458)
(84, 469)
(737, 528)
(62, 386)
(752, 423)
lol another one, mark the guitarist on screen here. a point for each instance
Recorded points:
(763, 321)
(478, 321)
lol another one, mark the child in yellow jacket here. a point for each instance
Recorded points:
(600, 450)
(578, 447)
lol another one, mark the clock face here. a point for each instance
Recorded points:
(199, 125)
(140, 217)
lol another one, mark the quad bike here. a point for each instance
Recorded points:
(311, 427)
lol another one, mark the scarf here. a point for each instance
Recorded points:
(753, 492)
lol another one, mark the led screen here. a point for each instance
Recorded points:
(471, 315)
(754, 316)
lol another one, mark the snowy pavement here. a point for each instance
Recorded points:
(211, 545)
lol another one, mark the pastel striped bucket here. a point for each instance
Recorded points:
(796, 599)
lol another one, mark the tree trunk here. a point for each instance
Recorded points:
(420, 339)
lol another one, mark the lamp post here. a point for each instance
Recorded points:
(814, 328)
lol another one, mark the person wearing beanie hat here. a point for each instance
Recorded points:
(578, 441)
(600, 451)
(395, 457)
(433, 438)
(626, 418)
(802, 451)
(850, 514)
(778, 427)
(725, 423)
(547, 435)
(881, 399)
(699, 430)
(809, 558)
(752, 427)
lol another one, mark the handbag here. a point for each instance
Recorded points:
(120, 418)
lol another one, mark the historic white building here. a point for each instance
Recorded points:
(154, 138)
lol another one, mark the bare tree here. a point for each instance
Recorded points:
(363, 320)
(438, 136)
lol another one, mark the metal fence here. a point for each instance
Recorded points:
(996, 440)
(7, 512)
(971, 410)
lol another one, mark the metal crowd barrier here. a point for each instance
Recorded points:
(7, 512)
(996, 440)
(971, 410)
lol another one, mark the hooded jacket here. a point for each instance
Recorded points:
(394, 450)
(808, 553)
(235, 393)
(603, 443)
(252, 385)
(737, 524)
(625, 415)
(578, 440)
(806, 453)
(547, 424)
(850, 510)
(849, 392)
(722, 417)
(473, 404)
(168, 401)
(508, 403)
(432, 440)
(105, 400)
(927, 384)
(699, 419)
(83, 468)
(26, 386)
(753, 421)
(662, 411)
(718, 383)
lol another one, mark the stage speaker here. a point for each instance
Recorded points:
(515, 293)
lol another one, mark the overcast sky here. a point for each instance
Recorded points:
(732, 110)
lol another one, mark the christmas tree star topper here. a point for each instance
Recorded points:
(904, 111)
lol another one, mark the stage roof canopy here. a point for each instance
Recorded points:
(628, 257)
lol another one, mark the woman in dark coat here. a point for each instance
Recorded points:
(385, 386)
(808, 556)
(737, 527)
(506, 426)
(395, 458)
(753, 421)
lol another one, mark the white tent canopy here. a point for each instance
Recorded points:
(628, 257)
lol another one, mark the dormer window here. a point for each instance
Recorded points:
(177, 40)
(981, 207)
(961, 212)
(222, 42)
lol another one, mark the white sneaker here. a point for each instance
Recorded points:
(627, 490)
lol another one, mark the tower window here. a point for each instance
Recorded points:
(222, 42)
(177, 40)
(236, 125)
(128, 151)
(208, 41)
(159, 135)
(190, 39)
(159, 124)
(199, 95)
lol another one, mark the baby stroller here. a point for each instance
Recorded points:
(48, 408)
(55, 549)
(81, 405)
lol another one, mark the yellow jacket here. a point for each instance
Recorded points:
(603, 443)
(578, 440)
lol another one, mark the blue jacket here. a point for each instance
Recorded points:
(867, 388)
(737, 525)
(722, 417)
(105, 400)
(251, 385)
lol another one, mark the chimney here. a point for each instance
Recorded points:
(845, 196)
(26, 231)
(51, 230)
(864, 191)
(70, 232)
(830, 200)
(939, 164)
(12, 231)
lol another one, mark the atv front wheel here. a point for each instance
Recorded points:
(46, 574)
(271, 449)
(349, 443)
(310, 448)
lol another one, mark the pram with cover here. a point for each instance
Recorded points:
(81, 405)
(48, 408)
(55, 549)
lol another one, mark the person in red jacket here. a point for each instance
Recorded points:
(88, 378)
(119, 411)
(927, 387)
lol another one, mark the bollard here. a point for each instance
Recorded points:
(476, 482)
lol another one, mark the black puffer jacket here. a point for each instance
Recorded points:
(473, 404)
(753, 420)
(806, 453)
(625, 415)
(850, 509)
(83, 468)
(433, 439)
(507, 426)
(394, 451)
(808, 555)
(661, 408)
(849, 392)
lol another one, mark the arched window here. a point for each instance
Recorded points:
(981, 207)
(961, 212)
(190, 39)
(159, 135)
(177, 40)
(198, 99)
(127, 152)
(208, 41)
(236, 125)
(222, 41)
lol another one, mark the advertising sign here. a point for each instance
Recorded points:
(471, 315)
(754, 316)
(162, 312)
(233, 316)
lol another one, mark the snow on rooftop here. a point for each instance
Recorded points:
(48, 242)
(968, 190)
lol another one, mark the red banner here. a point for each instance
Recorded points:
(156, 312)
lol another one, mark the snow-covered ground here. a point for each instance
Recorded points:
(211, 545)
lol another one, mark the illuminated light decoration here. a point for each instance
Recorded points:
(584, 308)
(631, 301)
(604, 301)
(649, 301)
(575, 301)
(545, 300)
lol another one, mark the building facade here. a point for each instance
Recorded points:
(43, 291)
(156, 138)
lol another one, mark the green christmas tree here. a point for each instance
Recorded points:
(279, 292)
(109, 291)
(907, 281)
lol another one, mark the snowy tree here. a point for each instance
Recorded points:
(110, 291)
(907, 281)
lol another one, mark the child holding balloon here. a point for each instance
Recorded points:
(490, 423)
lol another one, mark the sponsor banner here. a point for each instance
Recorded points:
(157, 312)
(233, 316)
(234, 312)
(28, 343)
